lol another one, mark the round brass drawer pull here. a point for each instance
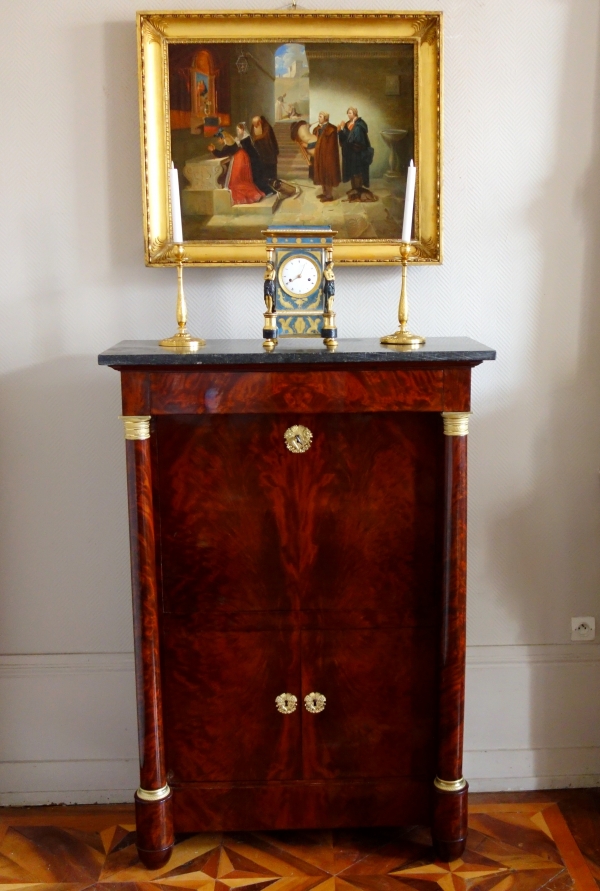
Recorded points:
(314, 703)
(286, 703)
(298, 438)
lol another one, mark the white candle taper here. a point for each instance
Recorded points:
(175, 205)
(409, 202)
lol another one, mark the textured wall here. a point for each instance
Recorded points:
(521, 272)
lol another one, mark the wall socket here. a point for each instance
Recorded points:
(583, 628)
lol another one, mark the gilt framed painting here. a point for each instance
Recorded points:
(290, 118)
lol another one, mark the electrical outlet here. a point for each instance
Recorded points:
(583, 628)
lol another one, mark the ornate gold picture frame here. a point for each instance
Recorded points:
(290, 118)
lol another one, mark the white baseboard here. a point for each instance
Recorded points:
(498, 770)
(531, 654)
(68, 723)
(532, 717)
(68, 782)
(114, 782)
(532, 784)
(53, 664)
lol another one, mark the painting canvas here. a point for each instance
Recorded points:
(299, 130)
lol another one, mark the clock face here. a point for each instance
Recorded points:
(299, 276)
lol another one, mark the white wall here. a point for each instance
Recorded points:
(521, 272)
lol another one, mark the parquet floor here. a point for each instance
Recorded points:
(516, 843)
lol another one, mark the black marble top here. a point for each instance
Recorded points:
(296, 352)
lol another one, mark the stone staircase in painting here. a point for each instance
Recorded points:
(291, 165)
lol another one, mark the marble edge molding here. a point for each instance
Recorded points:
(145, 354)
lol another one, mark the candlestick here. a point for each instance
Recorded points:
(181, 340)
(176, 223)
(403, 336)
(409, 202)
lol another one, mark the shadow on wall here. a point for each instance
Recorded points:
(123, 147)
(64, 566)
(545, 549)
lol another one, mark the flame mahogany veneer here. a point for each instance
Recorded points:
(257, 571)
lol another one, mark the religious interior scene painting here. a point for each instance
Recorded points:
(291, 134)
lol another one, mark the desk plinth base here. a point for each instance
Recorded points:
(154, 831)
(449, 824)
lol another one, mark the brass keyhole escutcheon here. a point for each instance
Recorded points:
(286, 703)
(298, 438)
(314, 703)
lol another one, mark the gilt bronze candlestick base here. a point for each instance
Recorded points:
(182, 340)
(404, 337)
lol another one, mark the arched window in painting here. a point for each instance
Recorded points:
(291, 82)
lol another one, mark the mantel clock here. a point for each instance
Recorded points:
(299, 286)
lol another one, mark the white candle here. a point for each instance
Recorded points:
(175, 205)
(409, 202)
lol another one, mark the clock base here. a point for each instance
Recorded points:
(329, 335)
(270, 331)
(329, 330)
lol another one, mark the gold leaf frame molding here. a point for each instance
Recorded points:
(156, 30)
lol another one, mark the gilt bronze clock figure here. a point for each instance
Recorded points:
(299, 284)
(329, 330)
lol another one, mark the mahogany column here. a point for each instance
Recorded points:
(153, 805)
(450, 788)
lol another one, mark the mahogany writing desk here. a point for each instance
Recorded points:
(298, 545)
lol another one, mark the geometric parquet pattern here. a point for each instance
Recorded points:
(511, 847)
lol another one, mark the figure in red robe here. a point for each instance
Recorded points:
(326, 169)
(239, 179)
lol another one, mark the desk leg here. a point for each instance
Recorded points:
(153, 800)
(450, 788)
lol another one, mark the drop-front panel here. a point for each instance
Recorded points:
(282, 570)
(257, 571)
